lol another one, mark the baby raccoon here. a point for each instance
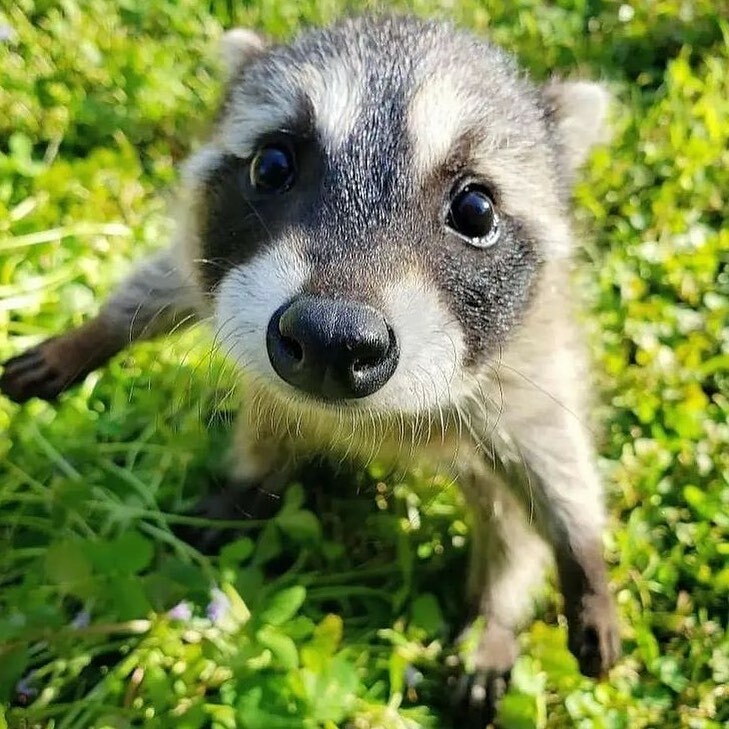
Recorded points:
(378, 227)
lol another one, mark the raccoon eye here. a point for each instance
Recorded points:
(472, 216)
(272, 169)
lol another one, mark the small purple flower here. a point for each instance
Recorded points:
(219, 605)
(412, 676)
(181, 611)
(6, 33)
(25, 692)
(82, 620)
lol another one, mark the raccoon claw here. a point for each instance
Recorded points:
(257, 502)
(31, 374)
(594, 637)
(477, 695)
(477, 698)
(235, 501)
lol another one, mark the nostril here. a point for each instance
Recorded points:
(292, 348)
(378, 353)
(362, 364)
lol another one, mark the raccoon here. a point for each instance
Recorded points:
(379, 228)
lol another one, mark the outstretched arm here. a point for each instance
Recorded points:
(154, 299)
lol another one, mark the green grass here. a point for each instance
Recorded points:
(339, 602)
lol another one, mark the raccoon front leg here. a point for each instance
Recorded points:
(507, 565)
(562, 491)
(258, 469)
(260, 466)
(152, 300)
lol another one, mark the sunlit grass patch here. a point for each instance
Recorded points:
(341, 611)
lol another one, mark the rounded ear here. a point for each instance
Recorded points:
(578, 110)
(238, 47)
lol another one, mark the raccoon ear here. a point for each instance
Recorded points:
(578, 110)
(238, 47)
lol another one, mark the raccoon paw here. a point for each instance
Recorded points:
(234, 501)
(478, 694)
(594, 636)
(39, 372)
(477, 698)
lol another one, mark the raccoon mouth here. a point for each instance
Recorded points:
(332, 350)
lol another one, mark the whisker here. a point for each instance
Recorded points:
(549, 394)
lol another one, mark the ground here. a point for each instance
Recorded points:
(337, 612)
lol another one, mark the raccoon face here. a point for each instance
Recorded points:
(375, 206)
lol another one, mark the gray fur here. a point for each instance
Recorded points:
(387, 116)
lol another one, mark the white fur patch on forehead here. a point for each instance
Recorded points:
(336, 96)
(435, 120)
(446, 108)
(334, 92)
(246, 300)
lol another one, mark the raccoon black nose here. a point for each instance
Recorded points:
(332, 348)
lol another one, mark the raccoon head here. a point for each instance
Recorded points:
(375, 205)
